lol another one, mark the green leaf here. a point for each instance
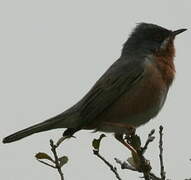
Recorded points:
(42, 155)
(63, 160)
(96, 142)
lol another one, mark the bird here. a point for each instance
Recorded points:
(128, 95)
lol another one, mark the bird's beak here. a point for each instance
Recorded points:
(174, 33)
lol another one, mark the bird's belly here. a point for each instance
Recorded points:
(135, 107)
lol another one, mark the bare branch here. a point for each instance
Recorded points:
(57, 163)
(46, 163)
(162, 171)
(154, 177)
(113, 169)
(149, 140)
(125, 165)
(140, 163)
(145, 166)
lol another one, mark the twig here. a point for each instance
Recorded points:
(125, 165)
(149, 140)
(113, 169)
(145, 166)
(46, 163)
(57, 164)
(162, 171)
(140, 163)
(154, 177)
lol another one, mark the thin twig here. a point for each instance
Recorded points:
(162, 171)
(154, 177)
(149, 140)
(58, 167)
(141, 163)
(46, 163)
(125, 165)
(144, 165)
(113, 169)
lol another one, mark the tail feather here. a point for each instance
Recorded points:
(26, 132)
(64, 120)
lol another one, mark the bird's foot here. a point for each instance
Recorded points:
(68, 133)
(123, 140)
(63, 138)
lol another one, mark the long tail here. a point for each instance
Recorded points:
(64, 120)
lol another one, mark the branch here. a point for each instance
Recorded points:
(96, 146)
(149, 140)
(57, 163)
(46, 163)
(145, 166)
(162, 172)
(138, 162)
(113, 169)
(126, 165)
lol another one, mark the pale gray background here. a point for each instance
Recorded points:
(52, 52)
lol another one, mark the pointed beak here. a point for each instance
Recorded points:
(174, 33)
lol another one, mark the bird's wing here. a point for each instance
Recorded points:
(119, 78)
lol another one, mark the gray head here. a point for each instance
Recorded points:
(149, 38)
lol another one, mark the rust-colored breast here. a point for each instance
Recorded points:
(165, 63)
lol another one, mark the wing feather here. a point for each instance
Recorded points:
(115, 82)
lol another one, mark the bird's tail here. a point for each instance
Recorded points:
(64, 120)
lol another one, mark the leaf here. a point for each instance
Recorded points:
(96, 142)
(63, 160)
(42, 155)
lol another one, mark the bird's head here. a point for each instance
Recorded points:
(150, 38)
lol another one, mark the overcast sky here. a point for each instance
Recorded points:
(52, 52)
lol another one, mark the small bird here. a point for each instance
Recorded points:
(130, 93)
